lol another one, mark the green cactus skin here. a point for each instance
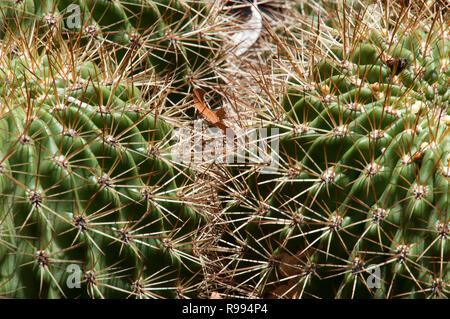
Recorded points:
(162, 36)
(359, 206)
(87, 180)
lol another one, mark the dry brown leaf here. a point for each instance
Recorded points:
(200, 105)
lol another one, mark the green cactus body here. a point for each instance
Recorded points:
(162, 36)
(360, 200)
(87, 183)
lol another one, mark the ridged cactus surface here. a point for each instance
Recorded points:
(87, 184)
(358, 205)
(347, 196)
(163, 37)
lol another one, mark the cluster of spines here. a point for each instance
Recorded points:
(88, 183)
(363, 180)
(295, 232)
(168, 41)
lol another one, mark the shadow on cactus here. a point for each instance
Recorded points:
(358, 204)
(92, 204)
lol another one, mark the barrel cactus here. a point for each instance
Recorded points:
(92, 204)
(163, 38)
(357, 204)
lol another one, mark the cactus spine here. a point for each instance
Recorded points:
(92, 204)
(358, 205)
